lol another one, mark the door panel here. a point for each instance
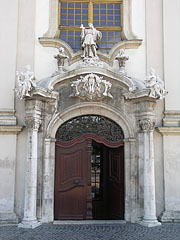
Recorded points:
(71, 186)
(116, 183)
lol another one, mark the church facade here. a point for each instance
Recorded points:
(90, 111)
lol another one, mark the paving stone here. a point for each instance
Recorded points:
(126, 231)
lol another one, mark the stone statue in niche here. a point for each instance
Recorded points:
(91, 87)
(122, 58)
(89, 38)
(26, 82)
(155, 84)
(61, 56)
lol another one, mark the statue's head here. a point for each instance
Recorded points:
(27, 67)
(91, 25)
(61, 50)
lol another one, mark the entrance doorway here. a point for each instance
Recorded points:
(107, 182)
(89, 177)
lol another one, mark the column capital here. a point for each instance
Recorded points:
(147, 125)
(33, 122)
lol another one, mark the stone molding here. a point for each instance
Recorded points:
(121, 79)
(7, 117)
(171, 118)
(147, 124)
(74, 57)
(169, 130)
(10, 129)
(170, 216)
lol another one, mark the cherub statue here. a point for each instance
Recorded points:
(26, 82)
(89, 38)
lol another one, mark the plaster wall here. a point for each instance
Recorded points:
(7, 173)
(171, 16)
(8, 49)
(171, 172)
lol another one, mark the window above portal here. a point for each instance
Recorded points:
(106, 16)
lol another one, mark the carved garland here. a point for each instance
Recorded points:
(101, 126)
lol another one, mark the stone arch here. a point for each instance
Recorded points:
(91, 108)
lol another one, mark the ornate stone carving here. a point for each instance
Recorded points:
(89, 38)
(122, 58)
(147, 124)
(26, 82)
(61, 57)
(155, 84)
(33, 123)
(91, 87)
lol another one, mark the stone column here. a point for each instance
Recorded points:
(33, 121)
(149, 219)
(48, 180)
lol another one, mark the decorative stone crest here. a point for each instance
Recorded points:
(155, 84)
(61, 57)
(26, 82)
(122, 58)
(89, 38)
(147, 124)
(91, 87)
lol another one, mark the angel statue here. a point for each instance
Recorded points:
(89, 38)
(26, 82)
(155, 83)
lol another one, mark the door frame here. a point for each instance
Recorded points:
(132, 206)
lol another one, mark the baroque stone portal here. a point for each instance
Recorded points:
(91, 87)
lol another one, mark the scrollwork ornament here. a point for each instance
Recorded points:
(91, 87)
(147, 124)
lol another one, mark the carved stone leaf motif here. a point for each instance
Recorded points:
(33, 123)
(91, 87)
(147, 124)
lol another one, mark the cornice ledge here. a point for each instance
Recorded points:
(43, 94)
(11, 129)
(135, 95)
(74, 57)
(168, 130)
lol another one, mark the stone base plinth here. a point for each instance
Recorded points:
(150, 223)
(29, 224)
(170, 216)
(8, 218)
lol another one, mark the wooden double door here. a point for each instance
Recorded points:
(89, 180)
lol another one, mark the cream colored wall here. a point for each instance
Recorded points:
(171, 28)
(7, 172)
(8, 51)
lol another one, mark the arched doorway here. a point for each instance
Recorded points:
(89, 169)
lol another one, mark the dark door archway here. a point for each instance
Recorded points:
(89, 170)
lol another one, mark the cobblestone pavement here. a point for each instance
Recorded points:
(127, 231)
